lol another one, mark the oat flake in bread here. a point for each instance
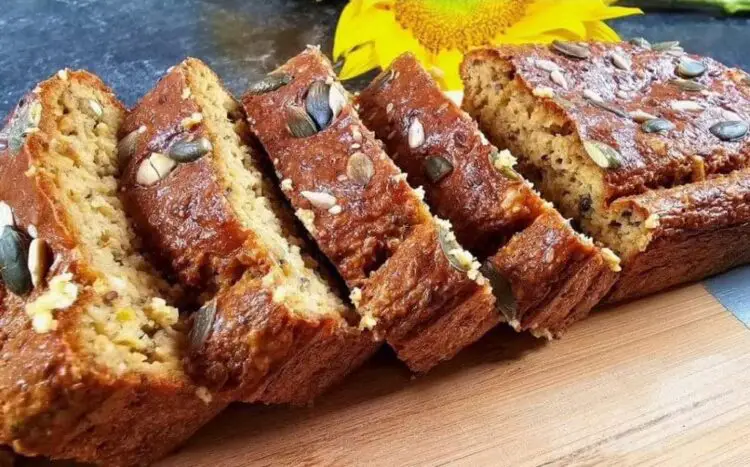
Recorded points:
(409, 279)
(90, 349)
(272, 328)
(646, 147)
(544, 274)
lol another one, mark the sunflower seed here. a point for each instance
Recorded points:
(14, 253)
(640, 116)
(270, 83)
(416, 133)
(592, 96)
(730, 130)
(92, 108)
(337, 99)
(621, 62)
(558, 78)
(360, 168)
(299, 123)
(184, 151)
(501, 289)
(154, 168)
(384, 79)
(203, 323)
(32, 231)
(127, 146)
(39, 261)
(688, 68)
(571, 49)
(437, 168)
(319, 199)
(663, 46)
(657, 125)
(6, 215)
(640, 42)
(687, 85)
(622, 94)
(604, 155)
(687, 106)
(546, 65)
(316, 104)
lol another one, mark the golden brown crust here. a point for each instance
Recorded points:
(555, 275)
(485, 207)
(368, 238)
(187, 220)
(57, 401)
(701, 229)
(648, 160)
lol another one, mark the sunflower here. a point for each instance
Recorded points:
(371, 33)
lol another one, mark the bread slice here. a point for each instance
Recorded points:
(633, 142)
(409, 279)
(90, 349)
(272, 328)
(546, 275)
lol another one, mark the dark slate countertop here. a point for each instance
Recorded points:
(131, 43)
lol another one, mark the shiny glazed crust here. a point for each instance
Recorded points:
(383, 237)
(689, 184)
(703, 229)
(556, 276)
(257, 349)
(56, 401)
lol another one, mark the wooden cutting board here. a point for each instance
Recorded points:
(664, 380)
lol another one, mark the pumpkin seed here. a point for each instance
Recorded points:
(299, 123)
(202, 325)
(666, 45)
(6, 215)
(184, 151)
(437, 168)
(450, 247)
(640, 42)
(416, 133)
(337, 99)
(730, 130)
(319, 199)
(657, 125)
(687, 85)
(127, 146)
(621, 62)
(316, 104)
(640, 116)
(504, 166)
(360, 168)
(270, 83)
(154, 168)
(25, 120)
(571, 49)
(14, 253)
(501, 289)
(689, 68)
(604, 155)
(39, 261)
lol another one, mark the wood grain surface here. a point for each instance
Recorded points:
(661, 381)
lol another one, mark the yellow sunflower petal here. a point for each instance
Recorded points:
(599, 31)
(359, 61)
(394, 40)
(445, 67)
